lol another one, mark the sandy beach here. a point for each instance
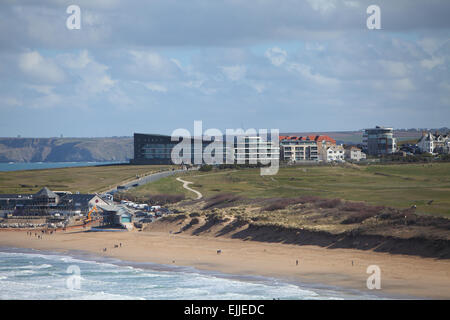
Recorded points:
(404, 276)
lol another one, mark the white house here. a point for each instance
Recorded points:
(333, 153)
(354, 154)
(434, 143)
(426, 143)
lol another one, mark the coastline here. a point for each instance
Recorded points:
(323, 292)
(402, 276)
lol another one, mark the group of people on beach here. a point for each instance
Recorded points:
(39, 235)
(115, 246)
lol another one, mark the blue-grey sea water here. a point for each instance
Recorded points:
(30, 274)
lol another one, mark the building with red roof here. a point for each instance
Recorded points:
(304, 148)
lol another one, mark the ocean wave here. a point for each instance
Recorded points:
(42, 266)
(38, 275)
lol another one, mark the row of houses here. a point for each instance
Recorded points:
(251, 149)
(377, 141)
(317, 148)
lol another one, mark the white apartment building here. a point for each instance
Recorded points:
(299, 149)
(253, 150)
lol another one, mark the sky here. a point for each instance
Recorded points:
(156, 66)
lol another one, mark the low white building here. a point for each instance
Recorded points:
(354, 154)
(333, 153)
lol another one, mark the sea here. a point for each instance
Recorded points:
(16, 166)
(32, 274)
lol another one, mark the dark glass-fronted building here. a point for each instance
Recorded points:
(157, 149)
(152, 149)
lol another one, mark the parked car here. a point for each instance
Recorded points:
(141, 214)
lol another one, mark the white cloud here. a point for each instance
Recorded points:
(431, 63)
(430, 45)
(445, 85)
(234, 73)
(314, 46)
(404, 84)
(76, 61)
(193, 83)
(47, 98)
(152, 65)
(276, 56)
(40, 69)
(155, 87)
(258, 86)
(352, 4)
(323, 6)
(306, 72)
(93, 76)
(10, 102)
(394, 68)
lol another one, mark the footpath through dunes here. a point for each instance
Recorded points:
(185, 185)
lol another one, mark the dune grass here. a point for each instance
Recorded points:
(399, 186)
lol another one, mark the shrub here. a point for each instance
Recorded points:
(161, 199)
(282, 203)
(275, 206)
(331, 203)
(194, 214)
(365, 212)
(221, 200)
(205, 168)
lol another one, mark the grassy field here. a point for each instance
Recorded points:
(82, 179)
(399, 186)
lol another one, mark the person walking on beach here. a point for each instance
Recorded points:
(296, 262)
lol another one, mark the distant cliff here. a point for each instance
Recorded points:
(65, 149)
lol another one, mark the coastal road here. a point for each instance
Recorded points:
(185, 185)
(144, 180)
